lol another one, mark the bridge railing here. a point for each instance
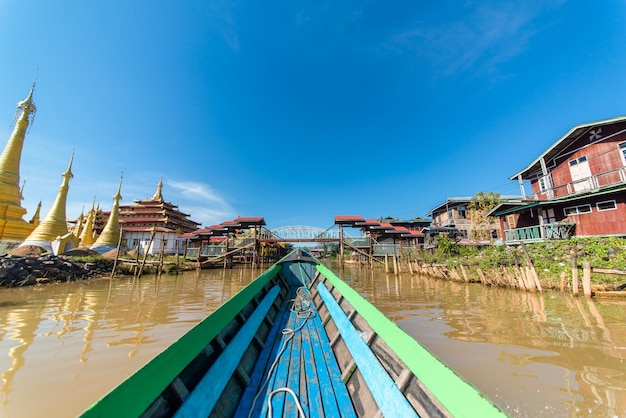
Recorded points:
(306, 233)
(359, 242)
(385, 249)
(212, 250)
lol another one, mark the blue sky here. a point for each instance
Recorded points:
(301, 110)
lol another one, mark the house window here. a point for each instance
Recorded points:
(622, 152)
(581, 173)
(577, 210)
(544, 183)
(548, 216)
(462, 213)
(606, 205)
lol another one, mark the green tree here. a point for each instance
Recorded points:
(478, 208)
(447, 246)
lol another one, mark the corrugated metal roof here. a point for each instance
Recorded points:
(563, 142)
(348, 219)
(571, 198)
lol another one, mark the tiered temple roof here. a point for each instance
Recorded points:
(143, 215)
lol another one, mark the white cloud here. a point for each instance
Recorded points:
(221, 20)
(488, 35)
(214, 210)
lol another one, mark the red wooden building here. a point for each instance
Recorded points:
(578, 187)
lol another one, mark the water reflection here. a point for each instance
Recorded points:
(534, 354)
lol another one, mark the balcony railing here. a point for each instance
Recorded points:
(594, 182)
(556, 230)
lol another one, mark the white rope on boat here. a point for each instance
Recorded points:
(289, 391)
(301, 305)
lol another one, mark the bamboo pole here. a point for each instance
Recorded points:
(136, 266)
(145, 255)
(586, 278)
(520, 278)
(483, 279)
(161, 253)
(574, 275)
(117, 254)
(177, 256)
(529, 277)
(465, 278)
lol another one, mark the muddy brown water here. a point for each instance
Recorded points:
(63, 346)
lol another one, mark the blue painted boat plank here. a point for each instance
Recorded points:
(341, 395)
(307, 366)
(201, 401)
(264, 362)
(279, 377)
(310, 378)
(294, 375)
(386, 393)
(327, 393)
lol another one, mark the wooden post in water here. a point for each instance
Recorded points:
(465, 278)
(177, 260)
(341, 244)
(395, 264)
(145, 255)
(386, 263)
(586, 278)
(533, 278)
(136, 266)
(574, 275)
(117, 254)
(161, 254)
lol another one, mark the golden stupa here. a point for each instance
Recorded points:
(78, 228)
(52, 233)
(86, 235)
(12, 226)
(35, 219)
(110, 236)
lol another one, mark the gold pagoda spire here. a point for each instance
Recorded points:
(35, 219)
(110, 235)
(55, 222)
(12, 226)
(158, 195)
(86, 235)
(78, 228)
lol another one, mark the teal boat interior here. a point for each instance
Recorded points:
(297, 341)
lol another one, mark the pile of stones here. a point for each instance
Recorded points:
(25, 271)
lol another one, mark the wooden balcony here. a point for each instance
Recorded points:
(539, 233)
(587, 184)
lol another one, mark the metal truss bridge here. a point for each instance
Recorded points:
(302, 233)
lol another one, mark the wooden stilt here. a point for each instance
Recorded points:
(117, 254)
(465, 278)
(586, 278)
(575, 275)
(145, 255)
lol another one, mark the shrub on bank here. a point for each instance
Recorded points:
(552, 259)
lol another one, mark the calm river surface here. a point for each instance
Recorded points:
(63, 346)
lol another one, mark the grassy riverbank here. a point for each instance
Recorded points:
(553, 260)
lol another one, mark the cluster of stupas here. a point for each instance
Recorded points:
(52, 234)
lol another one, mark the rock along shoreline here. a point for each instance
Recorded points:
(17, 271)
